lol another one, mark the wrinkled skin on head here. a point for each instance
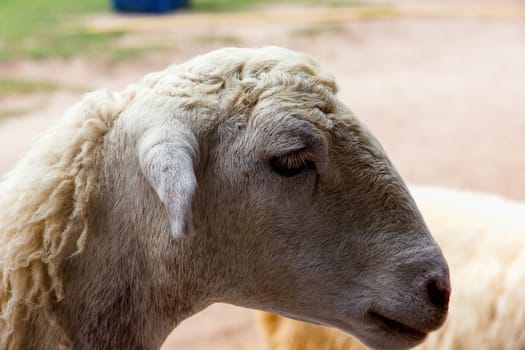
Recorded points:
(290, 205)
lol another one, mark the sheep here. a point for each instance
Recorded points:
(234, 177)
(483, 239)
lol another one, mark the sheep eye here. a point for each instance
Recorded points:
(291, 165)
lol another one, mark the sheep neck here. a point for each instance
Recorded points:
(132, 284)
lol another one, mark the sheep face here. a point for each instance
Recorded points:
(315, 223)
(296, 209)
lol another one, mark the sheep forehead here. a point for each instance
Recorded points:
(243, 78)
(294, 110)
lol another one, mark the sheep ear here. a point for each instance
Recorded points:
(168, 166)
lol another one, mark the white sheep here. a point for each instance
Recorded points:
(275, 195)
(483, 239)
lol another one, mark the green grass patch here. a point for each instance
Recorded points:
(21, 19)
(17, 86)
(131, 53)
(9, 86)
(62, 45)
(39, 29)
(235, 5)
(223, 5)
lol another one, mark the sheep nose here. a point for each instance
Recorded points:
(438, 291)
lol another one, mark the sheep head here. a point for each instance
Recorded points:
(281, 200)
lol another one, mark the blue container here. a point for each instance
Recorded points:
(149, 6)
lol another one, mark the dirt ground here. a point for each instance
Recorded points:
(444, 93)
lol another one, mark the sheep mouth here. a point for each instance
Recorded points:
(393, 326)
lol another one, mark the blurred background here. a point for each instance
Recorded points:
(441, 84)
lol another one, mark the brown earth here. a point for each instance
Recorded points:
(442, 87)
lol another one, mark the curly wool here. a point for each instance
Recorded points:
(44, 207)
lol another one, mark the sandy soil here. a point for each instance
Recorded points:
(444, 94)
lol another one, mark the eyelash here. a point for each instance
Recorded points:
(291, 165)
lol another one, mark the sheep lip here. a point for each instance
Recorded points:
(396, 327)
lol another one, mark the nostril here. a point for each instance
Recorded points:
(438, 293)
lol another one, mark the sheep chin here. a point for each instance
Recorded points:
(381, 333)
(375, 331)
